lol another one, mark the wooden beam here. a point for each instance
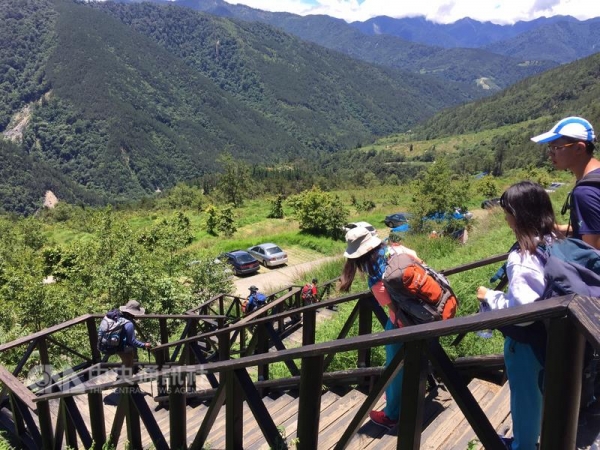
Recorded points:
(177, 411)
(18, 390)
(309, 407)
(234, 415)
(96, 407)
(562, 385)
(413, 396)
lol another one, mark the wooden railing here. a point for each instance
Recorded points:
(571, 319)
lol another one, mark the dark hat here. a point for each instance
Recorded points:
(314, 280)
(133, 307)
(253, 288)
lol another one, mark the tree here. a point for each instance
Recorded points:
(208, 278)
(487, 186)
(276, 208)
(226, 223)
(235, 183)
(212, 219)
(438, 193)
(319, 212)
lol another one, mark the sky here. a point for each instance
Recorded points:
(502, 12)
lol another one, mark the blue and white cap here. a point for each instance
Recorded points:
(571, 127)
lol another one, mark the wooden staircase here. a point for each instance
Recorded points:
(445, 426)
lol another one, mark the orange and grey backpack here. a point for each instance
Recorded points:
(419, 291)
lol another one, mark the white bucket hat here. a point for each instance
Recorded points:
(359, 242)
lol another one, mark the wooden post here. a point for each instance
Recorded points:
(234, 416)
(93, 336)
(134, 431)
(162, 356)
(309, 407)
(309, 326)
(191, 358)
(96, 406)
(262, 347)
(413, 396)
(177, 411)
(365, 326)
(562, 386)
(45, 419)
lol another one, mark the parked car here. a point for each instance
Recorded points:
(242, 262)
(366, 225)
(554, 186)
(396, 219)
(490, 203)
(269, 254)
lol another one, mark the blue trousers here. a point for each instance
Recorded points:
(525, 378)
(393, 393)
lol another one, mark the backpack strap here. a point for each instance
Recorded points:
(501, 274)
(591, 179)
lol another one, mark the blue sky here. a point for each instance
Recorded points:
(441, 11)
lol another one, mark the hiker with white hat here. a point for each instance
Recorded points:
(130, 311)
(368, 254)
(571, 145)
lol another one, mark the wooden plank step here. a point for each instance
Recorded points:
(336, 418)
(436, 402)
(255, 437)
(447, 437)
(369, 433)
(498, 413)
(217, 438)
(289, 427)
(446, 423)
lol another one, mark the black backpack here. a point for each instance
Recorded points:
(111, 332)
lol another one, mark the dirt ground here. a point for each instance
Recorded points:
(272, 279)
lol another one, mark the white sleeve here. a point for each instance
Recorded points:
(525, 282)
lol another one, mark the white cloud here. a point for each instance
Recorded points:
(442, 11)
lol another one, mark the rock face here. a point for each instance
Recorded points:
(15, 132)
(50, 200)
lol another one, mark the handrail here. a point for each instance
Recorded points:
(547, 309)
(260, 320)
(45, 332)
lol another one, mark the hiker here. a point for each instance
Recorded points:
(130, 311)
(369, 255)
(254, 301)
(528, 212)
(571, 147)
(309, 292)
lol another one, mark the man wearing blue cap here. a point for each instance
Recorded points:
(571, 147)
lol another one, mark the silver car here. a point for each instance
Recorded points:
(269, 254)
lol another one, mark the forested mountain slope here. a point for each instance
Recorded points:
(468, 65)
(130, 99)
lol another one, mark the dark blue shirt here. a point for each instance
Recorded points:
(130, 336)
(585, 210)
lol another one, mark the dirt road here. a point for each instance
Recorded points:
(271, 280)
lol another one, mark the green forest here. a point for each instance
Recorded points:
(129, 100)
